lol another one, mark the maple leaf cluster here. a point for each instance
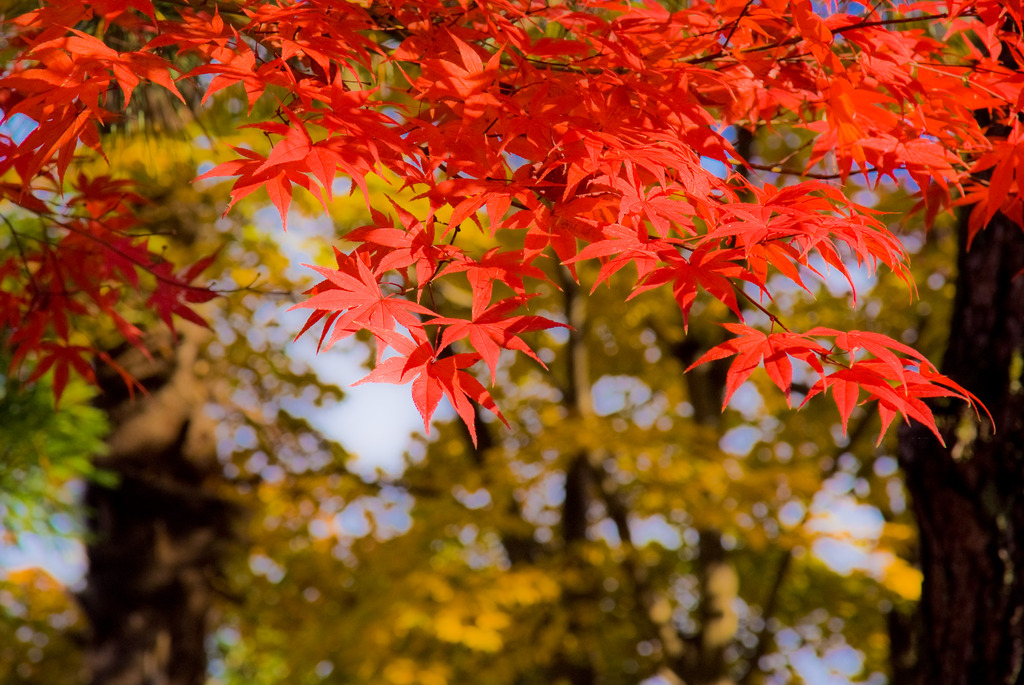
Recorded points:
(75, 257)
(565, 133)
(75, 250)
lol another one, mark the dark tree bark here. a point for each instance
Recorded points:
(155, 537)
(968, 497)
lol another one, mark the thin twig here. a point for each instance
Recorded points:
(774, 319)
(736, 24)
(775, 169)
(844, 29)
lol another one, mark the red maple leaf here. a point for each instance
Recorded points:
(63, 359)
(496, 266)
(175, 292)
(712, 269)
(493, 330)
(354, 291)
(752, 346)
(411, 245)
(599, 137)
(434, 376)
(624, 245)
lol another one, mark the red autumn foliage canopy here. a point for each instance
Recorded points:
(572, 131)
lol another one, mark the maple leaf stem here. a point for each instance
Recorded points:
(803, 146)
(441, 263)
(518, 204)
(774, 319)
(831, 359)
(433, 305)
(736, 23)
(559, 66)
(250, 289)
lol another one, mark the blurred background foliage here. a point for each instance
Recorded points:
(624, 528)
(44, 451)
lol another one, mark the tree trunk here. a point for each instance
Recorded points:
(575, 665)
(716, 573)
(719, 584)
(155, 535)
(968, 497)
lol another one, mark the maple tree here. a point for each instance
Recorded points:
(539, 135)
(560, 125)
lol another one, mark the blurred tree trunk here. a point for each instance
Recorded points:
(697, 661)
(155, 536)
(968, 497)
(575, 664)
(716, 573)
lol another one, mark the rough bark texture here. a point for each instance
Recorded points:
(155, 536)
(968, 497)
